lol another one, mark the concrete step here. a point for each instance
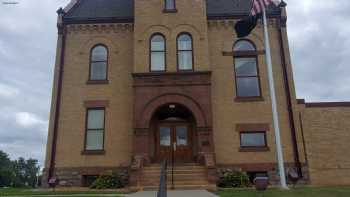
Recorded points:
(187, 167)
(185, 182)
(209, 187)
(169, 172)
(177, 177)
(188, 176)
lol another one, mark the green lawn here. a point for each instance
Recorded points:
(298, 192)
(31, 192)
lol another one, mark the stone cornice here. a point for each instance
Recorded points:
(172, 79)
(229, 23)
(100, 28)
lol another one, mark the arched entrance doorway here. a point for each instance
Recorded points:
(154, 93)
(154, 109)
(174, 134)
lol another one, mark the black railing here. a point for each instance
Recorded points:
(162, 192)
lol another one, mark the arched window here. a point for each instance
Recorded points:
(157, 52)
(244, 45)
(184, 52)
(246, 69)
(98, 62)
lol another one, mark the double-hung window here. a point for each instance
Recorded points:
(169, 5)
(98, 63)
(246, 70)
(184, 52)
(157, 53)
(95, 128)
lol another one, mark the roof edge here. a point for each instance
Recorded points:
(323, 104)
(71, 5)
(237, 16)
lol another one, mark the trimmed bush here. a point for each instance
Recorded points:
(110, 180)
(231, 179)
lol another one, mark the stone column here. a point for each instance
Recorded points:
(206, 152)
(140, 154)
(141, 144)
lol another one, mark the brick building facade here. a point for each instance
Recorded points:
(140, 81)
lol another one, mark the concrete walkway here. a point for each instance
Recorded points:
(176, 193)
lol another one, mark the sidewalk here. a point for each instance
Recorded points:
(179, 193)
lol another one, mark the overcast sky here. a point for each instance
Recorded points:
(319, 41)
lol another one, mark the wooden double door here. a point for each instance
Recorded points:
(174, 142)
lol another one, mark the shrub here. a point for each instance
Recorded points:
(110, 180)
(230, 179)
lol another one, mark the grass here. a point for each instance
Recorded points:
(297, 192)
(31, 192)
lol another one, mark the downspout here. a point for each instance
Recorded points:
(282, 21)
(61, 32)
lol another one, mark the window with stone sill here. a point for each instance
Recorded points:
(184, 52)
(253, 139)
(246, 70)
(169, 5)
(98, 63)
(157, 53)
(95, 128)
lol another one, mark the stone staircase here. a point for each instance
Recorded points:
(186, 176)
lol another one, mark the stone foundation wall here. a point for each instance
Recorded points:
(271, 169)
(73, 177)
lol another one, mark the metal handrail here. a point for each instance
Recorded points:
(162, 192)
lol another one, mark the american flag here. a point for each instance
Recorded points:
(259, 5)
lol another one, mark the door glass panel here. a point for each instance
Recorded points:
(165, 137)
(181, 135)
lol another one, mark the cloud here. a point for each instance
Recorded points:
(318, 33)
(27, 56)
(26, 119)
(8, 91)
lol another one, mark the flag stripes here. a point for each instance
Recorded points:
(259, 5)
(246, 25)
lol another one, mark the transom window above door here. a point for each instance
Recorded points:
(157, 52)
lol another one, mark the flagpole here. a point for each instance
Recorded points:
(274, 105)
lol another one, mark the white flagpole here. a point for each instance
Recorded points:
(274, 105)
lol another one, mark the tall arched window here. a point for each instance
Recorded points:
(98, 62)
(246, 69)
(157, 52)
(184, 52)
